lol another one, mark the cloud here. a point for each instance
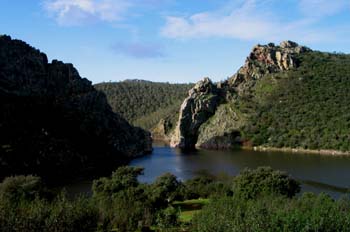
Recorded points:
(78, 12)
(139, 50)
(255, 20)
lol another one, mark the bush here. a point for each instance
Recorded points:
(121, 179)
(60, 215)
(205, 186)
(165, 189)
(25, 206)
(21, 188)
(264, 180)
(122, 201)
(167, 218)
(274, 213)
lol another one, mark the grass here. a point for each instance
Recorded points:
(189, 208)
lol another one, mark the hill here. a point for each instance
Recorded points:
(150, 105)
(285, 96)
(53, 122)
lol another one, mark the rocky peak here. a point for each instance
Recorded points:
(288, 44)
(265, 59)
(201, 103)
(203, 86)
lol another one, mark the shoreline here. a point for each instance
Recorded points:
(329, 152)
(300, 150)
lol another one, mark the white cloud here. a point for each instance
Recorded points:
(77, 12)
(255, 20)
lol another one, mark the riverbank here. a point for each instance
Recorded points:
(299, 150)
(273, 149)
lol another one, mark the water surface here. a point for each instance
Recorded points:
(318, 173)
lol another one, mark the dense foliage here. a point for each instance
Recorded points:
(25, 206)
(122, 201)
(255, 200)
(306, 107)
(263, 181)
(145, 103)
(274, 213)
(206, 186)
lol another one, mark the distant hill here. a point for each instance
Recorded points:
(307, 107)
(145, 103)
(284, 96)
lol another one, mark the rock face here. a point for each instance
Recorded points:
(201, 103)
(208, 118)
(221, 131)
(265, 59)
(162, 130)
(53, 122)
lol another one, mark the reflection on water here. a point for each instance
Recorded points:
(318, 173)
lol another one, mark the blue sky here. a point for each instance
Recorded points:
(170, 40)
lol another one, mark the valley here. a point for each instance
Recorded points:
(180, 152)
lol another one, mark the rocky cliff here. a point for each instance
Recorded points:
(265, 59)
(200, 105)
(54, 122)
(209, 117)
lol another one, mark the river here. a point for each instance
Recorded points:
(317, 173)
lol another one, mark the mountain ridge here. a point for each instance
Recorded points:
(228, 114)
(54, 122)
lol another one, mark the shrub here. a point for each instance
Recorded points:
(122, 201)
(264, 180)
(205, 186)
(121, 179)
(167, 218)
(19, 188)
(274, 213)
(60, 215)
(165, 189)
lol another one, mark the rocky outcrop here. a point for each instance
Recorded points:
(265, 59)
(203, 123)
(162, 131)
(221, 131)
(201, 103)
(54, 122)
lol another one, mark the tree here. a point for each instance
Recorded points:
(21, 188)
(250, 184)
(165, 189)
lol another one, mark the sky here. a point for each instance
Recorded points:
(177, 41)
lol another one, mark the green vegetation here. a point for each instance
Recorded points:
(189, 208)
(264, 180)
(145, 103)
(24, 206)
(306, 107)
(274, 213)
(258, 200)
